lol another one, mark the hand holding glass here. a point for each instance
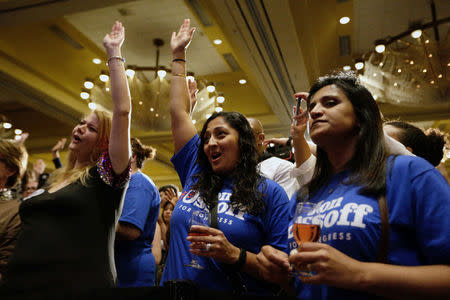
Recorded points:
(306, 226)
(200, 218)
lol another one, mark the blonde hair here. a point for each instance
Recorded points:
(69, 172)
(15, 157)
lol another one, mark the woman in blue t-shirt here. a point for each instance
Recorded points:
(218, 168)
(353, 170)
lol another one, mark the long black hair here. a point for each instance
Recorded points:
(367, 166)
(245, 176)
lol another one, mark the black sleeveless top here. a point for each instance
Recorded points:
(67, 236)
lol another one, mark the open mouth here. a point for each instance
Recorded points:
(215, 156)
(76, 138)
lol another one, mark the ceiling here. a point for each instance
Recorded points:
(278, 46)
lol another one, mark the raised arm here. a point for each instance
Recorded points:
(298, 128)
(182, 128)
(119, 144)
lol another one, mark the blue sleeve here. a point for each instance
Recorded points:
(137, 204)
(423, 191)
(277, 219)
(184, 160)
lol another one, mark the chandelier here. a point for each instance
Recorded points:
(150, 88)
(410, 68)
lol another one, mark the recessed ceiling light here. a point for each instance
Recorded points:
(220, 99)
(211, 88)
(242, 81)
(416, 33)
(88, 84)
(104, 77)
(130, 72)
(344, 20)
(84, 95)
(97, 61)
(347, 68)
(18, 131)
(359, 65)
(380, 48)
(217, 41)
(219, 109)
(92, 106)
(7, 125)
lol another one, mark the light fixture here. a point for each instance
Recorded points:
(97, 61)
(427, 41)
(17, 137)
(380, 46)
(375, 97)
(424, 70)
(162, 74)
(103, 76)
(207, 116)
(84, 95)
(217, 41)
(399, 70)
(193, 122)
(242, 81)
(440, 76)
(430, 55)
(344, 20)
(347, 68)
(130, 73)
(432, 81)
(220, 99)
(211, 88)
(18, 131)
(7, 125)
(92, 106)
(88, 84)
(411, 62)
(416, 33)
(359, 65)
(374, 74)
(219, 109)
(395, 84)
(149, 88)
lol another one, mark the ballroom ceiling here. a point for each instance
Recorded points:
(278, 46)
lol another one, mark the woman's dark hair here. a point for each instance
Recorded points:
(169, 187)
(246, 178)
(141, 152)
(367, 166)
(428, 145)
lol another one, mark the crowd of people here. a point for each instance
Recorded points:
(99, 222)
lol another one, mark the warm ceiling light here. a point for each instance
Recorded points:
(220, 99)
(97, 61)
(418, 86)
(88, 84)
(7, 125)
(424, 70)
(156, 115)
(130, 73)
(427, 41)
(17, 137)
(84, 95)
(411, 62)
(217, 41)
(201, 98)
(104, 77)
(374, 74)
(399, 70)
(380, 64)
(107, 89)
(440, 76)
(430, 55)
(18, 131)
(152, 109)
(162, 74)
(448, 65)
(92, 106)
(347, 68)
(416, 33)
(211, 88)
(380, 46)
(432, 81)
(140, 102)
(208, 116)
(242, 81)
(359, 65)
(344, 20)
(193, 121)
(219, 109)
(395, 83)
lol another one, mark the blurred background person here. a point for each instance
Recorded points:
(13, 161)
(136, 252)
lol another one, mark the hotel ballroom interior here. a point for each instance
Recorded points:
(249, 56)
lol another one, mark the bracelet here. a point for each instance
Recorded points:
(179, 74)
(115, 57)
(237, 266)
(178, 59)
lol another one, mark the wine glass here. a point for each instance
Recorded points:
(201, 218)
(306, 227)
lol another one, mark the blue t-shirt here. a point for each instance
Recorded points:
(418, 199)
(135, 263)
(241, 229)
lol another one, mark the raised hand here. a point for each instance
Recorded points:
(180, 41)
(58, 147)
(113, 41)
(300, 119)
(276, 141)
